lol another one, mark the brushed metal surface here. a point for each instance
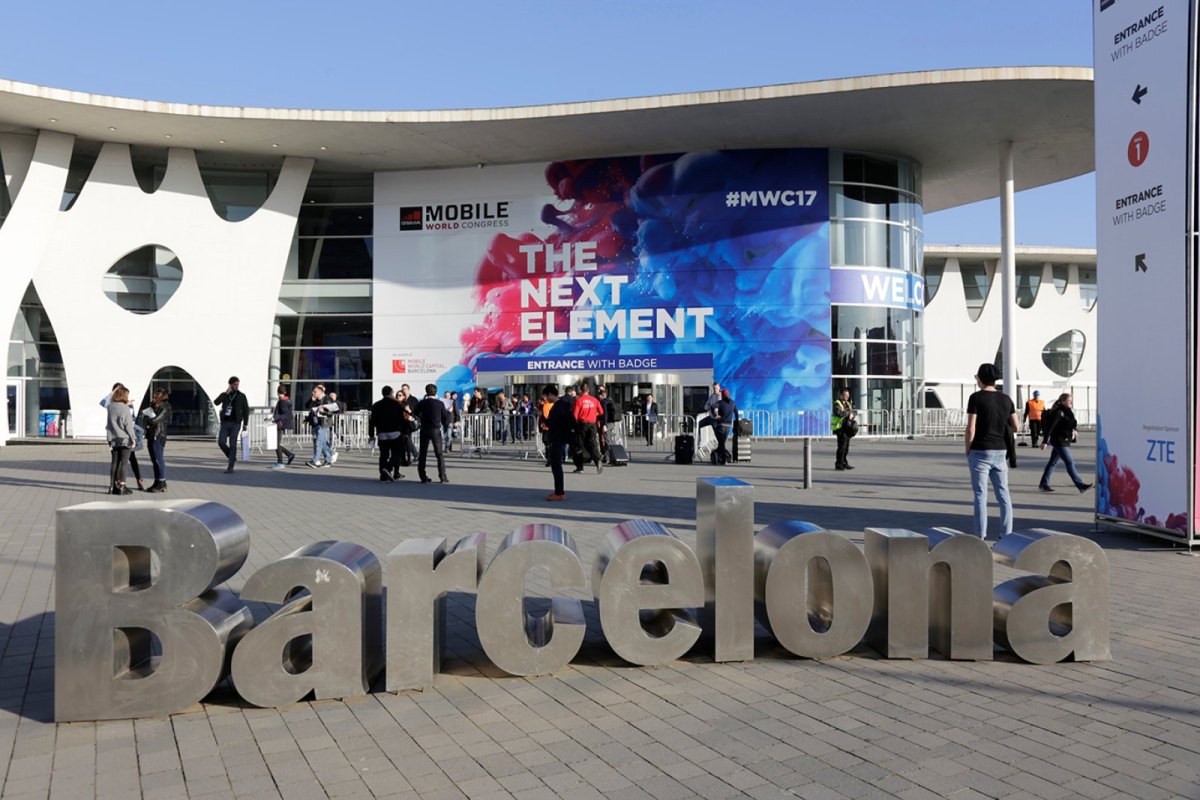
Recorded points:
(516, 641)
(326, 639)
(647, 584)
(419, 575)
(725, 547)
(800, 571)
(1061, 610)
(931, 589)
(127, 574)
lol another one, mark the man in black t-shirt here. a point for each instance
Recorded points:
(991, 419)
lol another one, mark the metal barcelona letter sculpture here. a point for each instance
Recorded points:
(420, 574)
(142, 630)
(641, 566)
(1059, 611)
(111, 606)
(515, 640)
(325, 638)
(813, 589)
(725, 546)
(938, 583)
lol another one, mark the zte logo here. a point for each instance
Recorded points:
(1104, 4)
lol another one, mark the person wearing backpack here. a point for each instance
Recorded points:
(844, 427)
(1059, 432)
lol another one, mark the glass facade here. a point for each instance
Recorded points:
(324, 319)
(876, 221)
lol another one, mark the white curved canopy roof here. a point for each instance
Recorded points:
(951, 121)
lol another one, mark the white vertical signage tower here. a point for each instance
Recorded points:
(1145, 68)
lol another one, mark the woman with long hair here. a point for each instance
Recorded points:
(121, 437)
(154, 419)
(1058, 428)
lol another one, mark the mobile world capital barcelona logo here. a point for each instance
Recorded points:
(454, 216)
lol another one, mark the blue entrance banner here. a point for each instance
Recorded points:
(589, 363)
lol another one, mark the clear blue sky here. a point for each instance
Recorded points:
(374, 54)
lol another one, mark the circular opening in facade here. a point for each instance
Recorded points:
(143, 281)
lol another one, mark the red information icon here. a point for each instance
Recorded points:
(1139, 148)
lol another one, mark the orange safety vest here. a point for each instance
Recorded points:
(1034, 409)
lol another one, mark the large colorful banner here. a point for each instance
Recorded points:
(710, 260)
(1141, 57)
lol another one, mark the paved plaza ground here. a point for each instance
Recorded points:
(855, 726)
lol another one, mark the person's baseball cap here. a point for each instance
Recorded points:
(1036, 393)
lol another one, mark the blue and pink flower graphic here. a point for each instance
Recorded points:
(676, 227)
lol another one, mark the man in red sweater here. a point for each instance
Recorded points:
(588, 413)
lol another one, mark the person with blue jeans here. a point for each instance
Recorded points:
(318, 418)
(990, 413)
(1059, 433)
(155, 418)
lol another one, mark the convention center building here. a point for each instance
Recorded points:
(767, 238)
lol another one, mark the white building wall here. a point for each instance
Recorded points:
(955, 345)
(219, 321)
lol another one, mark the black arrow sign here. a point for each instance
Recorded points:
(1139, 262)
(1139, 93)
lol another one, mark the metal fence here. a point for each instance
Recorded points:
(517, 435)
(347, 431)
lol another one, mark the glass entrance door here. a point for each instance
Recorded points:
(15, 394)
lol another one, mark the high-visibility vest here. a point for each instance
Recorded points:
(1034, 408)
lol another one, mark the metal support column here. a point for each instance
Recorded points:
(1007, 269)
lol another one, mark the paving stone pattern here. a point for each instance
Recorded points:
(856, 726)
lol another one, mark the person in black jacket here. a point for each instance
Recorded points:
(724, 414)
(560, 423)
(386, 428)
(433, 416)
(283, 416)
(408, 452)
(154, 419)
(1058, 428)
(235, 413)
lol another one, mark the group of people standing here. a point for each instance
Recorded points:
(576, 423)
(396, 418)
(126, 434)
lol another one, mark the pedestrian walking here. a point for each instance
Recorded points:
(155, 418)
(433, 416)
(588, 415)
(560, 423)
(1060, 434)
(283, 415)
(386, 429)
(317, 418)
(1034, 409)
(234, 414)
(991, 421)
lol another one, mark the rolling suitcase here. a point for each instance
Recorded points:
(618, 456)
(685, 448)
